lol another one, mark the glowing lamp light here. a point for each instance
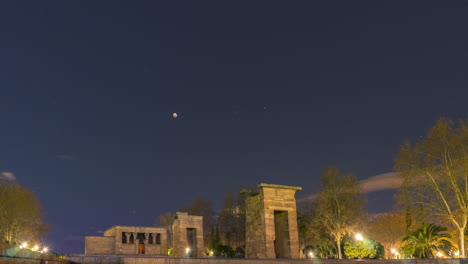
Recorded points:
(24, 245)
(36, 247)
(21, 246)
(187, 250)
(311, 254)
(393, 250)
(174, 115)
(211, 253)
(45, 249)
(359, 237)
(439, 254)
(457, 253)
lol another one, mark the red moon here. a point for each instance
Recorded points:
(174, 115)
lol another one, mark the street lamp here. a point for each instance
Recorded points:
(359, 237)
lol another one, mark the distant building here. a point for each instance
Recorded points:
(128, 240)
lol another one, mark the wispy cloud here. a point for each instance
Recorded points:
(65, 157)
(385, 181)
(9, 176)
(381, 182)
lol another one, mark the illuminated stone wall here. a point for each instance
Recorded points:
(271, 223)
(128, 240)
(182, 223)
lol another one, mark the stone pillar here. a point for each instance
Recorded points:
(145, 241)
(271, 223)
(136, 242)
(163, 243)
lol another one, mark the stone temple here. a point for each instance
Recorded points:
(128, 240)
(271, 233)
(135, 240)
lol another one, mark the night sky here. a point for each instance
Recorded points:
(266, 91)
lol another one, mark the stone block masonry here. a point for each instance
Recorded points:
(271, 223)
(168, 260)
(127, 240)
(188, 236)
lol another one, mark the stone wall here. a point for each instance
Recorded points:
(169, 260)
(271, 223)
(99, 245)
(255, 228)
(113, 241)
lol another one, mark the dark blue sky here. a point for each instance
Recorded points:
(266, 91)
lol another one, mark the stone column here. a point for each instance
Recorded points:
(124, 234)
(145, 240)
(136, 241)
(163, 243)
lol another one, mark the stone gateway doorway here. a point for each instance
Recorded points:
(141, 243)
(271, 222)
(141, 249)
(188, 236)
(282, 249)
(192, 242)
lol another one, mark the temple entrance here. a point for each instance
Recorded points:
(271, 222)
(141, 249)
(282, 248)
(141, 243)
(192, 242)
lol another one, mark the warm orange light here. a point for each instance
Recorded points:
(174, 115)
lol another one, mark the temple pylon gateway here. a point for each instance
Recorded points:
(271, 223)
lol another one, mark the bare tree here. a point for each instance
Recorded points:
(21, 216)
(435, 174)
(389, 230)
(339, 206)
(166, 220)
(202, 206)
(231, 220)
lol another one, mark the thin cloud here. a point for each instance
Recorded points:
(381, 182)
(65, 157)
(9, 176)
(385, 181)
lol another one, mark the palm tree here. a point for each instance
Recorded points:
(426, 240)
